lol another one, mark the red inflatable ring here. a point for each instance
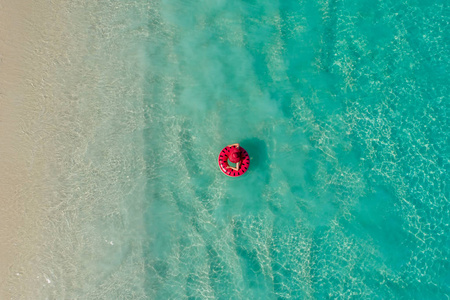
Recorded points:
(223, 162)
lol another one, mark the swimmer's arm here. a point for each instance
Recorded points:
(237, 145)
(234, 168)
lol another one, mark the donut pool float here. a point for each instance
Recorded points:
(223, 162)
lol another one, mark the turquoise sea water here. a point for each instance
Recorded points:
(343, 107)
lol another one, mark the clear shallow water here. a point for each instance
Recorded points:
(344, 110)
(343, 107)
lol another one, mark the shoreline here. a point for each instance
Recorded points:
(62, 152)
(14, 175)
(22, 159)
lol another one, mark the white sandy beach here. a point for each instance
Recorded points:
(65, 150)
(23, 160)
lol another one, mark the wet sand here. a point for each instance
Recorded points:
(22, 160)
